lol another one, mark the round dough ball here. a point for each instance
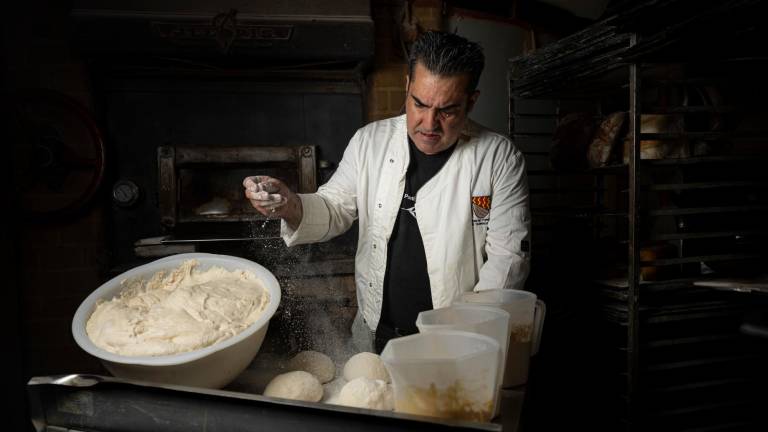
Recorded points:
(366, 364)
(316, 363)
(367, 393)
(332, 389)
(298, 385)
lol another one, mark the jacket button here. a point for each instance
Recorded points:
(391, 161)
(370, 284)
(374, 246)
(379, 205)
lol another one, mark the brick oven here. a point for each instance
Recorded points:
(192, 99)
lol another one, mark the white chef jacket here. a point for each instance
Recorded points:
(467, 247)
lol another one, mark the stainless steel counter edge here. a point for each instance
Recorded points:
(94, 402)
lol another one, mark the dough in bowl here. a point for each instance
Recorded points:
(314, 362)
(367, 393)
(298, 385)
(177, 310)
(366, 364)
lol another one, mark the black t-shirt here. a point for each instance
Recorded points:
(406, 281)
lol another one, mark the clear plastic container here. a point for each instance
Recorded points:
(485, 320)
(444, 373)
(526, 322)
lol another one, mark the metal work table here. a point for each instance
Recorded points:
(98, 403)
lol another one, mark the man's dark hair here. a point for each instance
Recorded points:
(448, 54)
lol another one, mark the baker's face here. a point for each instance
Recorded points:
(436, 108)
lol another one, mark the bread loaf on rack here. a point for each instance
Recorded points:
(672, 148)
(602, 146)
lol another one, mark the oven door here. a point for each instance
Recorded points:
(203, 184)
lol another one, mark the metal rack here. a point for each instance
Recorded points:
(672, 352)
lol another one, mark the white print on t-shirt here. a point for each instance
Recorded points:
(412, 209)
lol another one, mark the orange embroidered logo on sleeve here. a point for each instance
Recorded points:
(481, 206)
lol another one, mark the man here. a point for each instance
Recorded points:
(442, 202)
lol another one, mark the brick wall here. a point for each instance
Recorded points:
(386, 82)
(428, 14)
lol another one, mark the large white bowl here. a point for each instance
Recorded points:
(212, 367)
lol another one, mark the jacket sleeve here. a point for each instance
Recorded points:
(507, 243)
(333, 208)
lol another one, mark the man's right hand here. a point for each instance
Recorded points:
(272, 198)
